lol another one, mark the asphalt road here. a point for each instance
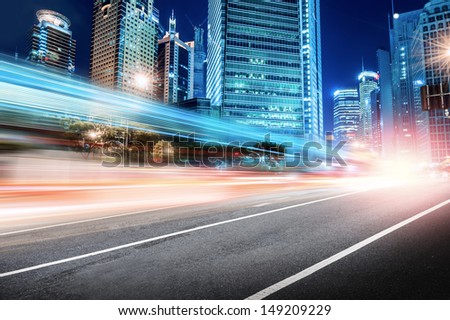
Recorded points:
(240, 248)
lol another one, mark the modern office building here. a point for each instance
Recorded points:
(387, 105)
(375, 110)
(124, 46)
(430, 49)
(264, 64)
(312, 68)
(346, 115)
(199, 63)
(159, 27)
(51, 43)
(201, 106)
(175, 78)
(401, 37)
(368, 82)
(423, 137)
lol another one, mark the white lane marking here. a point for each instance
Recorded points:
(85, 221)
(170, 235)
(307, 272)
(261, 205)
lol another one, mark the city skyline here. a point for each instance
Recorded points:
(344, 34)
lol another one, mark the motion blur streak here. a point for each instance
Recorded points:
(27, 95)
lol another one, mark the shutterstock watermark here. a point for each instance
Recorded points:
(182, 151)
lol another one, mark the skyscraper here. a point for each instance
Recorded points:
(401, 37)
(199, 63)
(124, 46)
(375, 110)
(175, 78)
(264, 64)
(312, 68)
(51, 42)
(430, 48)
(346, 114)
(368, 82)
(387, 109)
(159, 27)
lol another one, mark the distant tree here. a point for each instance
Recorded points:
(163, 150)
(144, 138)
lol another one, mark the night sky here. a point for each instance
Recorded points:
(351, 29)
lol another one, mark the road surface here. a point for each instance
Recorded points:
(376, 238)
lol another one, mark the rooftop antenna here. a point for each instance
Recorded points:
(196, 28)
(362, 65)
(393, 8)
(192, 24)
(16, 54)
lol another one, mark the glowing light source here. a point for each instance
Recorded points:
(142, 80)
(396, 16)
(93, 135)
(441, 47)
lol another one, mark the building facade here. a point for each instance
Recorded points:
(312, 68)
(423, 136)
(375, 110)
(264, 64)
(401, 37)
(346, 115)
(431, 46)
(199, 63)
(368, 82)
(199, 105)
(124, 46)
(159, 27)
(51, 43)
(387, 105)
(175, 78)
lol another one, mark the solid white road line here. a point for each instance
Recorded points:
(261, 205)
(170, 235)
(305, 273)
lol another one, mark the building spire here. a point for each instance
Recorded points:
(172, 24)
(362, 65)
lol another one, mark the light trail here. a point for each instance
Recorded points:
(33, 93)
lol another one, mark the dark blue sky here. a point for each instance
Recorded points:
(351, 29)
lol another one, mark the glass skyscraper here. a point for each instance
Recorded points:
(387, 109)
(175, 77)
(264, 64)
(199, 63)
(312, 68)
(430, 49)
(124, 46)
(401, 36)
(346, 114)
(51, 42)
(375, 106)
(368, 82)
